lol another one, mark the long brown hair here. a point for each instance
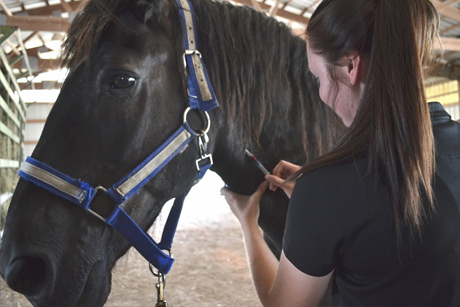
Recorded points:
(392, 127)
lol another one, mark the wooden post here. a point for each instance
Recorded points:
(274, 8)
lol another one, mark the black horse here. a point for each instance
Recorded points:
(125, 94)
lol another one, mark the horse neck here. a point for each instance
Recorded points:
(259, 71)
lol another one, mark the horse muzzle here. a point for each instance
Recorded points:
(34, 275)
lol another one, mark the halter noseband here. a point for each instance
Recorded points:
(201, 97)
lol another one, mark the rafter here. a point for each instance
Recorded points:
(5, 8)
(66, 6)
(40, 37)
(38, 23)
(286, 4)
(449, 28)
(14, 49)
(281, 12)
(48, 10)
(445, 4)
(256, 5)
(449, 43)
(25, 40)
(274, 8)
(21, 4)
(445, 9)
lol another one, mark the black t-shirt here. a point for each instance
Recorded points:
(341, 219)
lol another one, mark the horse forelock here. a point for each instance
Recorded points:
(86, 30)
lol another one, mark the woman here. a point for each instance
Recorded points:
(379, 214)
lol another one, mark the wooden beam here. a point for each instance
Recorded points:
(286, 4)
(21, 5)
(48, 10)
(281, 13)
(5, 8)
(41, 64)
(40, 37)
(36, 121)
(256, 5)
(445, 9)
(66, 6)
(25, 40)
(13, 47)
(449, 43)
(445, 4)
(38, 23)
(449, 28)
(274, 8)
(30, 142)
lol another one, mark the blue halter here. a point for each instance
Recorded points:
(202, 98)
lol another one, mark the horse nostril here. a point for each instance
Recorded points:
(26, 275)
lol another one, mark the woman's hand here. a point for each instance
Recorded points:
(245, 208)
(280, 173)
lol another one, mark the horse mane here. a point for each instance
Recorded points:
(254, 62)
(260, 71)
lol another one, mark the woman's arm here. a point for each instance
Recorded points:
(276, 283)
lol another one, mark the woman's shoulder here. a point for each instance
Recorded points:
(338, 175)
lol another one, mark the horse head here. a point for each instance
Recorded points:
(123, 97)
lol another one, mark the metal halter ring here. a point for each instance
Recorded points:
(207, 118)
(152, 268)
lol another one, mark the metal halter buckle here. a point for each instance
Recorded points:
(203, 141)
(190, 52)
(98, 188)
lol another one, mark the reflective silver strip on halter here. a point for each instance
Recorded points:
(53, 181)
(144, 172)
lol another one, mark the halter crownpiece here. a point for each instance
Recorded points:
(201, 97)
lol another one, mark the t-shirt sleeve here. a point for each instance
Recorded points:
(313, 232)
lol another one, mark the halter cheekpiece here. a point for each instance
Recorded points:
(201, 97)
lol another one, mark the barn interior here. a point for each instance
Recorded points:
(31, 33)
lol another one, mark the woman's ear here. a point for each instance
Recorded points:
(354, 68)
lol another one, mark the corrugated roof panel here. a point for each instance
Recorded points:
(302, 4)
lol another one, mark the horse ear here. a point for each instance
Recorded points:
(154, 10)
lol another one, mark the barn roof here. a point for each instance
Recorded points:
(44, 22)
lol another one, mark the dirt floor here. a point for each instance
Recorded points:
(210, 269)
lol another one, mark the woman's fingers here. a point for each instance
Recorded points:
(275, 182)
(245, 208)
(285, 169)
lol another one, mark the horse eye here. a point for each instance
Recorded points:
(122, 82)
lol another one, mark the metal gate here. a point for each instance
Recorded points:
(12, 114)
